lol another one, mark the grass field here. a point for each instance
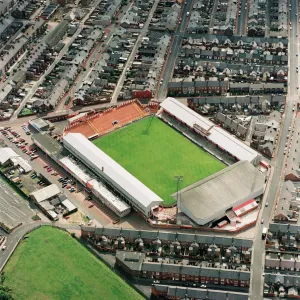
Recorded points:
(52, 265)
(157, 156)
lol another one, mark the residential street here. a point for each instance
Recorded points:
(178, 34)
(256, 289)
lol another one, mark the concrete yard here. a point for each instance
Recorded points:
(13, 208)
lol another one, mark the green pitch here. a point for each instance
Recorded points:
(50, 264)
(157, 156)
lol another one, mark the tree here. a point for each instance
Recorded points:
(5, 292)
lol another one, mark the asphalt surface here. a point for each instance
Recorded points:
(242, 18)
(13, 208)
(179, 33)
(258, 256)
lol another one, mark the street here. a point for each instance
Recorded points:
(257, 279)
(178, 34)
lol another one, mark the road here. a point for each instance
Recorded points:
(114, 97)
(256, 289)
(179, 33)
(242, 18)
(212, 18)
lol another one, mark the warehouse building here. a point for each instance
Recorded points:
(207, 200)
(40, 124)
(135, 193)
(43, 198)
(210, 131)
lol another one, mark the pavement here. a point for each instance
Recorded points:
(258, 254)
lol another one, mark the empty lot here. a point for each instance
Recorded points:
(50, 264)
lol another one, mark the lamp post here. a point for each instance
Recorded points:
(178, 179)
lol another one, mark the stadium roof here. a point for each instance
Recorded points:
(47, 143)
(216, 135)
(107, 167)
(74, 168)
(221, 191)
(45, 193)
(120, 205)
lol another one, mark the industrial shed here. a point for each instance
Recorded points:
(208, 199)
(45, 193)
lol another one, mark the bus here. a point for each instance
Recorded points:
(264, 233)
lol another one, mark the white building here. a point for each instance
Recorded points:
(98, 189)
(134, 192)
(9, 156)
(210, 131)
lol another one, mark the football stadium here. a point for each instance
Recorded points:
(154, 153)
(137, 153)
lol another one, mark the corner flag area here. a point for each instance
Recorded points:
(154, 153)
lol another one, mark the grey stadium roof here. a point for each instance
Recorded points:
(47, 143)
(105, 166)
(203, 199)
